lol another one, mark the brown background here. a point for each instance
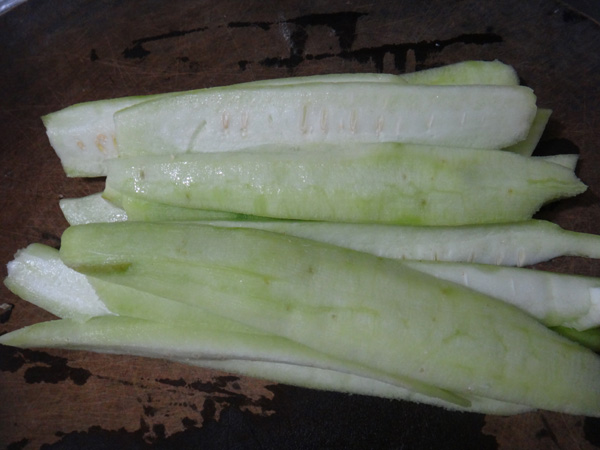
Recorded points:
(53, 54)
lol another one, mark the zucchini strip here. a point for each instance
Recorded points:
(371, 311)
(125, 301)
(226, 119)
(40, 266)
(527, 146)
(38, 275)
(237, 352)
(541, 294)
(91, 209)
(84, 136)
(379, 183)
(566, 160)
(324, 379)
(513, 244)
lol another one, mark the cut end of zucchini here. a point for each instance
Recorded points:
(38, 275)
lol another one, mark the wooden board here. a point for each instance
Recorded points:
(55, 54)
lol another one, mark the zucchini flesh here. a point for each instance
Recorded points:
(527, 146)
(83, 135)
(380, 183)
(465, 72)
(373, 312)
(475, 116)
(78, 298)
(324, 379)
(323, 299)
(589, 338)
(541, 294)
(38, 275)
(139, 209)
(90, 209)
(567, 160)
(513, 244)
(125, 335)
(40, 266)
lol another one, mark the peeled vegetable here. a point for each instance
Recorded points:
(279, 229)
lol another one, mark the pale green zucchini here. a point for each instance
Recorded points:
(466, 72)
(83, 135)
(243, 353)
(323, 379)
(38, 275)
(513, 244)
(381, 183)
(567, 160)
(143, 210)
(95, 208)
(216, 120)
(371, 311)
(126, 335)
(588, 338)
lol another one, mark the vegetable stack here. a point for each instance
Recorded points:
(363, 233)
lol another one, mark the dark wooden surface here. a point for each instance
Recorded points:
(54, 54)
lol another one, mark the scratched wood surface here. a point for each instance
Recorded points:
(54, 54)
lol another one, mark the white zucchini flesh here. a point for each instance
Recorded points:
(554, 299)
(213, 120)
(83, 135)
(527, 146)
(38, 275)
(90, 209)
(566, 160)
(238, 351)
(355, 306)
(380, 183)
